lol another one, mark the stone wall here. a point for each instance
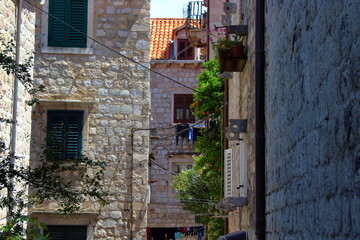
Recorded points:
(241, 105)
(114, 93)
(8, 11)
(312, 119)
(164, 209)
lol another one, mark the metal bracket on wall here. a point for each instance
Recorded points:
(236, 126)
(240, 30)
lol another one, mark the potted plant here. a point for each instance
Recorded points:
(230, 50)
(225, 44)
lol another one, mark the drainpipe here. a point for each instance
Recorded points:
(131, 183)
(260, 118)
(14, 109)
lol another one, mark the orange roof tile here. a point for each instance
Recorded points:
(161, 36)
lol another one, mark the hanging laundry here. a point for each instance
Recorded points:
(182, 131)
(178, 235)
(194, 131)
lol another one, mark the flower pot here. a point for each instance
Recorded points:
(237, 51)
(223, 54)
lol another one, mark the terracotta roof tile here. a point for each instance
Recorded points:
(161, 36)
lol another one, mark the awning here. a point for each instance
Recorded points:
(240, 235)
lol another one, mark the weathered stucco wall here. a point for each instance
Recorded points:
(114, 92)
(8, 12)
(312, 119)
(164, 209)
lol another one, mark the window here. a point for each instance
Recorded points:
(185, 51)
(56, 37)
(74, 14)
(178, 168)
(64, 134)
(182, 111)
(57, 232)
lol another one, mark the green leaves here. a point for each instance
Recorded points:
(49, 180)
(22, 71)
(200, 188)
(14, 230)
(209, 97)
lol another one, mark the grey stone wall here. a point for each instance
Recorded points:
(164, 209)
(114, 92)
(241, 105)
(8, 32)
(312, 119)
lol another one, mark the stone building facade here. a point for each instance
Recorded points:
(311, 121)
(171, 152)
(8, 31)
(100, 78)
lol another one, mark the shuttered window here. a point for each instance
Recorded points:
(74, 14)
(182, 111)
(67, 232)
(185, 51)
(64, 138)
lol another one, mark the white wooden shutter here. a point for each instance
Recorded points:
(229, 188)
(243, 166)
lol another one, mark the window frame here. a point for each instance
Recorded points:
(41, 116)
(188, 54)
(175, 105)
(88, 219)
(45, 48)
(66, 155)
(67, 229)
(66, 13)
(177, 160)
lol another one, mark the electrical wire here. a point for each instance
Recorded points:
(163, 168)
(186, 129)
(111, 49)
(132, 60)
(205, 201)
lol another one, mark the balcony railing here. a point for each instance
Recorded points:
(196, 15)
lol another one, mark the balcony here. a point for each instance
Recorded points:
(196, 21)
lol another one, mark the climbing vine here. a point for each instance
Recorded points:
(200, 188)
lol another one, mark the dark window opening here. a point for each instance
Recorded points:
(182, 110)
(185, 51)
(67, 232)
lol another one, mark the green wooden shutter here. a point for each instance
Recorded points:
(64, 134)
(67, 232)
(73, 13)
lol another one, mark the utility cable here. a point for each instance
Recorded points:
(186, 129)
(163, 168)
(111, 49)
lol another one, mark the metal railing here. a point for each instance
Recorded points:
(196, 15)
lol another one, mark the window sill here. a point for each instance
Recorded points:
(230, 203)
(67, 50)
